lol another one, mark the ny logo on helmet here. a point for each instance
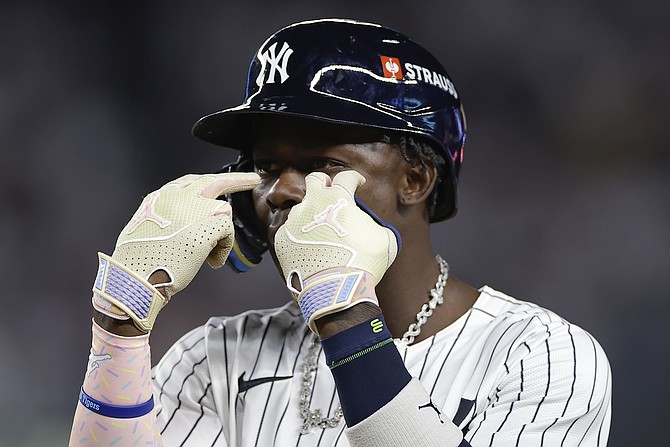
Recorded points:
(278, 64)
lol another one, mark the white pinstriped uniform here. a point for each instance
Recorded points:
(508, 372)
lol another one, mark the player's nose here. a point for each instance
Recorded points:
(288, 190)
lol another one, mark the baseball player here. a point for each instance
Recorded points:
(350, 143)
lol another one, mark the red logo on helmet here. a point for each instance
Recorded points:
(391, 66)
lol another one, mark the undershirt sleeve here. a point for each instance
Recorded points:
(407, 420)
(118, 377)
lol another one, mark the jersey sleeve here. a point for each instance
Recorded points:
(185, 408)
(555, 390)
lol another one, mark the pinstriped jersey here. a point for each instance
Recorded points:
(507, 372)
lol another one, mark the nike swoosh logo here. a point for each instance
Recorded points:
(245, 385)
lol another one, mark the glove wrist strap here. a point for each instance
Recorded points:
(136, 297)
(334, 291)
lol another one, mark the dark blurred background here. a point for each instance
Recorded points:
(564, 197)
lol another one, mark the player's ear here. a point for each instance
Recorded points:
(418, 183)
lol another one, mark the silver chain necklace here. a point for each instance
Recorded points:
(436, 298)
(314, 418)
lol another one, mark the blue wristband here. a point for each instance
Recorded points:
(356, 341)
(115, 411)
(367, 368)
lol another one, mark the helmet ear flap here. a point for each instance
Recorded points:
(249, 244)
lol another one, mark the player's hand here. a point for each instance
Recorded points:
(175, 229)
(329, 247)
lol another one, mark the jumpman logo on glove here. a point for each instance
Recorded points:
(147, 212)
(328, 217)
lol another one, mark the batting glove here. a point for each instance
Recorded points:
(175, 229)
(329, 247)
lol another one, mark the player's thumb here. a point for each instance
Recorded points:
(225, 235)
(393, 246)
(349, 180)
(218, 256)
(222, 230)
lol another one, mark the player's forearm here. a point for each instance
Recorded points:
(116, 403)
(378, 396)
(124, 328)
(333, 324)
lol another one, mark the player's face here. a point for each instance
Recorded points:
(287, 149)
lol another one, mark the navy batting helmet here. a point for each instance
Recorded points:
(349, 72)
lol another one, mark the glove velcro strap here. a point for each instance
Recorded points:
(330, 294)
(123, 288)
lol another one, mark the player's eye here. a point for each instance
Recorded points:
(265, 168)
(325, 164)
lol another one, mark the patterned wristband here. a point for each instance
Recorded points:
(115, 411)
(124, 289)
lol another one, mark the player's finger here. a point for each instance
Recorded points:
(315, 180)
(229, 183)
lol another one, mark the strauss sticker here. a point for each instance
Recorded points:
(391, 66)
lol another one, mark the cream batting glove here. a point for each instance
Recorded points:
(329, 246)
(175, 229)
